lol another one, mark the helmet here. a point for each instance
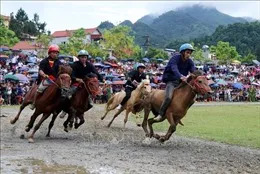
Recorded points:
(140, 65)
(54, 48)
(83, 53)
(186, 46)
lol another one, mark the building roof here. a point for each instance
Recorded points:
(5, 17)
(68, 33)
(25, 45)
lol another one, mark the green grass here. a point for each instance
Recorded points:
(239, 125)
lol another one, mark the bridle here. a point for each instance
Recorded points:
(53, 82)
(88, 89)
(196, 88)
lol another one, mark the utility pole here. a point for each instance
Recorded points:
(146, 43)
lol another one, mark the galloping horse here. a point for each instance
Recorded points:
(183, 98)
(134, 104)
(79, 102)
(48, 103)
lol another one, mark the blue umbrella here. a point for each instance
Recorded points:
(238, 85)
(106, 66)
(98, 65)
(221, 82)
(159, 60)
(214, 85)
(146, 59)
(22, 78)
(99, 58)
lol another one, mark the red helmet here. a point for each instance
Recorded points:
(53, 48)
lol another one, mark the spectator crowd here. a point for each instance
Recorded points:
(231, 83)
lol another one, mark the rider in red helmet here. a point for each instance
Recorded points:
(48, 70)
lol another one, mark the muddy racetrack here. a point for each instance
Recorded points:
(94, 148)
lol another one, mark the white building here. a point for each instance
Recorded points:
(61, 37)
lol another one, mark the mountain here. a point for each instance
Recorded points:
(105, 25)
(182, 24)
(147, 19)
(191, 22)
(249, 19)
(244, 36)
(127, 23)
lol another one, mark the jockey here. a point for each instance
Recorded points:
(48, 69)
(134, 77)
(80, 69)
(176, 71)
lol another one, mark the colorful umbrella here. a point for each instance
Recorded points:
(238, 85)
(22, 78)
(10, 77)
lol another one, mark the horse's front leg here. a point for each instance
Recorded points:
(151, 121)
(171, 130)
(54, 116)
(37, 126)
(144, 124)
(82, 120)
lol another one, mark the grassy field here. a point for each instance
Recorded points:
(238, 124)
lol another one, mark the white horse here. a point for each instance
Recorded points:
(134, 104)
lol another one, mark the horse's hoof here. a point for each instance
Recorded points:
(150, 135)
(66, 129)
(162, 139)
(12, 121)
(48, 135)
(69, 128)
(22, 136)
(147, 135)
(30, 140)
(27, 129)
(157, 136)
(102, 118)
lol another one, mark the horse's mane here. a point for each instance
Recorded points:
(65, 69)
(142, 82)
(196, 73)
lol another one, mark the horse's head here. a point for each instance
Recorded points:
(92, 84)
(199, 83)
(64, 80)
(145, 86)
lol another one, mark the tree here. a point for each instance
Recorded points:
(198, 54)
(156, 53)
(43, 42)
(248, 58)
(77, 42)
(21, 24)
(120, 41)
(225, 53)
(7, 37)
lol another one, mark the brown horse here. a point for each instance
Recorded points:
(79, 102)
(183, 98)
(134, 104)
(49, 102)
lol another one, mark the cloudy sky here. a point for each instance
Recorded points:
(62, 15)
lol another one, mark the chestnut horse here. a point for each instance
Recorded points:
(183, 98)
(79, 102)
(49, 102)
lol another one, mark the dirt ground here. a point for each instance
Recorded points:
(94, 148)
